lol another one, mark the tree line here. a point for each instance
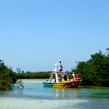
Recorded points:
(94, 72)
(33, 75)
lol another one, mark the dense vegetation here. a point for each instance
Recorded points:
(95, 71)
(7, 76)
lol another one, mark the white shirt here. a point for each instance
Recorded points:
(73, 76)
(60, 66)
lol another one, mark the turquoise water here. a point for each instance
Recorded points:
(35, 96)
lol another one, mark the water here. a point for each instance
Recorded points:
(35, 96)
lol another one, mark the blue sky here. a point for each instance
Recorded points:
(35, 34)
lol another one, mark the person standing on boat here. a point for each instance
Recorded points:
(60, 67)
(73, 75)
(66, 76)
(77, 76)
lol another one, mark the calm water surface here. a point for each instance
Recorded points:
(35, 96)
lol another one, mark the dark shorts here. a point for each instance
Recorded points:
(60, 70)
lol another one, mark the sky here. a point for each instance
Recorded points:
(36, 34)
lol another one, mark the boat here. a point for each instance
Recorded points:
(56, 81)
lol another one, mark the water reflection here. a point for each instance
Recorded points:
(58, 92)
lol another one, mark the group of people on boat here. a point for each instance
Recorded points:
(66, 74)
(60, 79)
(66, 77)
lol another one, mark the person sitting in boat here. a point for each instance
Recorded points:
(60, 67)
(73, 75)
(53, 79)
